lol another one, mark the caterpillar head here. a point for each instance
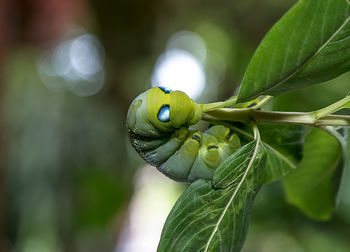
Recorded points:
(159, 111)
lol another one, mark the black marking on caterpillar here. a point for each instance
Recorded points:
(229, 134)
(252, 105)
(197, 138)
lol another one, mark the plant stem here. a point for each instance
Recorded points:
(231, 102)
(217, 105)
(245, 115)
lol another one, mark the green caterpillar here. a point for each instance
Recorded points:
(158, 121)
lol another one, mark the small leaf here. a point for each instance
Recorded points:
(309, 45)
(283, 144)
(312, 186)
(283, 147)
(209, 218)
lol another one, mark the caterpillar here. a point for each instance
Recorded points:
(159, 123)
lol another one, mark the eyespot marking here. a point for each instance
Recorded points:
(165, 90)
(197, 138)
(164, 113)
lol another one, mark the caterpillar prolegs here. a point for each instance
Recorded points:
(158, 122)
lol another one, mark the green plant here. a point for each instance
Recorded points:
(308, 45)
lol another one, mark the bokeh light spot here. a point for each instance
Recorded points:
(78, 63)
(180, 70)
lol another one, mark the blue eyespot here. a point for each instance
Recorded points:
(165, 90)
(164, 113)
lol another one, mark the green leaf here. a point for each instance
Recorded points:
(309, 45)
(214, 216)
(322, 95)
(284, 144)
(283, 147)
(312, 187)
(233, 168)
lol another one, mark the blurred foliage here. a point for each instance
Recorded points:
(66, 172)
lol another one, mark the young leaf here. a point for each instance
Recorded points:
(309, 45)
(284, 144)
(214, 216)
(311, 186)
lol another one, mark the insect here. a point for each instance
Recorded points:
(159, 123)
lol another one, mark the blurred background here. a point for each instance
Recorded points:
(69, 178)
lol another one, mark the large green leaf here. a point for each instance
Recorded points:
(312, 187)
(214, 215)
(310, 44)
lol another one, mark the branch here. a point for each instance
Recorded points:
(300, 118)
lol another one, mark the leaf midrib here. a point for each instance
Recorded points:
(233, 195)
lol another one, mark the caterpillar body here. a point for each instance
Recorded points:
(158, 121)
